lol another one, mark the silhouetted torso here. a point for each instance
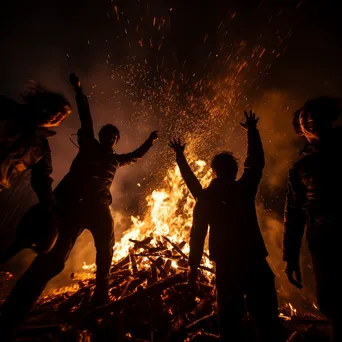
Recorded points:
(92, 173)
(234, 230)
(23, 146)
(315, 184)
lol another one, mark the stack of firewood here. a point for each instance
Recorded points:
(150, 301)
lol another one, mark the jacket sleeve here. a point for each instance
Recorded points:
(86, 133)
(198, 232)
(132, 157)
(255, 161)
(41, 180)
(294, 217)
(189, 177)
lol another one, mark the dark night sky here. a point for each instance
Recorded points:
(46, 40)
(37, 35)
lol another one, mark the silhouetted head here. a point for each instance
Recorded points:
(225, 166)
(315, 119)
(109, 135)
(49, 108)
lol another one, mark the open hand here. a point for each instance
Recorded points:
(294, 268)
(177, 146)
(154, 136)
(251, 121)
(74, 80)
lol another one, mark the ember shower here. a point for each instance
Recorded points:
(193, 83)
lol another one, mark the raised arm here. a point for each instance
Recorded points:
(189, 177)
(41, 180)
(87, 131)
(255, 160)
(132, 157)
(294, 225)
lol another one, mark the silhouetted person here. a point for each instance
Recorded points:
(313, 200)
(235, 241)
(23, 138)
(83, 201)
(24, 146)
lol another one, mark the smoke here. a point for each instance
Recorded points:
(275, 109)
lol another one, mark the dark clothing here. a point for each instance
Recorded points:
(37, 229)
(84, 193)
(24, 146)
(257, 283)
(236, 245)
(83, 199)
(229, 208)
(30, 286)
(313, 200)
(93, 169)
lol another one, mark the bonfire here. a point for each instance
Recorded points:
(150, 299)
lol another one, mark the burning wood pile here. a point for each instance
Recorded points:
(150, 301)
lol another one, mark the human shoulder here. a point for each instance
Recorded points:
(204, 195)
(305, 161)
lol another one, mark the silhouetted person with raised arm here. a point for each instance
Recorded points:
(24, 146)
(313, 200)
(189, 177)
(83, 202)
(235, 242)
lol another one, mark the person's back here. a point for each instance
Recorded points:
(235, 242)
(230, 207)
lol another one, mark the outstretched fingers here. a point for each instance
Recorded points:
(172, 142)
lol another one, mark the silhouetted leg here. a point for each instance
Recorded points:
(326, 264)
(24, 235)
(29, 287)
(230, 303)
(262, 302)
(13, 249)
(103, 233)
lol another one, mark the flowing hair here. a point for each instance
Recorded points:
(324, 110)
(45, 104)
